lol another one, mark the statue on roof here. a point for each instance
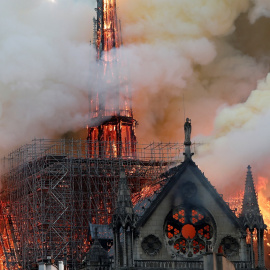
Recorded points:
(187, 128)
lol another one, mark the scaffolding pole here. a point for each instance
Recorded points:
(53, 189)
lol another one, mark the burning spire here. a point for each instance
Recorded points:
(106, 26)
(111, 132)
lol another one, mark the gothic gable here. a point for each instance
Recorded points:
(187, 218)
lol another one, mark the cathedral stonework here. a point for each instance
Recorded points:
(189, 231)
(186, 224)
(151, 245)
(230, 246)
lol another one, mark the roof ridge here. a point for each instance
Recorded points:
(167, 187)
(219, 196)
(161, 194)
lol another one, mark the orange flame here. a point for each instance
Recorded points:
(235, 203)
(264, 201)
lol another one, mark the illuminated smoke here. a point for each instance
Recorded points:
(261, 9)
(183, 54)
(180, 49)
(240, 136)
(205, 57)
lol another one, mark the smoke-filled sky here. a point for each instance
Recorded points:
(204, 59)
(44, 68)
(207, 60)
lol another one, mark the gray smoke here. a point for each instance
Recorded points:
(46, 68)
(200, 60)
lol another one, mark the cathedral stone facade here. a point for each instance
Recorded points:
(187, 225)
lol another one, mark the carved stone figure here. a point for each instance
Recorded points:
(187, 128)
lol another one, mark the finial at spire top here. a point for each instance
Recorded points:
(249, 168)
(187, 142)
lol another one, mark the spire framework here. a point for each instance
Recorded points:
(111, 114)
(124, 212)
(124, 221)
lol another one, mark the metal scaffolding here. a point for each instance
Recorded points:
(53, 189)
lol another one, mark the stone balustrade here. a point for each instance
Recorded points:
(242, 265)
(185, 265)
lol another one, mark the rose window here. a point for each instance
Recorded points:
(151, 245)
(230, 246)
(188, 231)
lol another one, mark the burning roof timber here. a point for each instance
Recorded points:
(52, 189)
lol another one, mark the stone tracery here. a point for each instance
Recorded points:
(188, 231)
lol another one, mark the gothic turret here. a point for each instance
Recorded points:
(251, 215)
(124, 221)
(124, 208)
(252, 218)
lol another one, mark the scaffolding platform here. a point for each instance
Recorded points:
(52, 190)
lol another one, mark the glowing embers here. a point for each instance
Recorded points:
(110, 26)
(112, 139)
(188, 230)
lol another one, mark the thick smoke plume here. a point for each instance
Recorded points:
(197, 59)
(200, 60)
(45, 68)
